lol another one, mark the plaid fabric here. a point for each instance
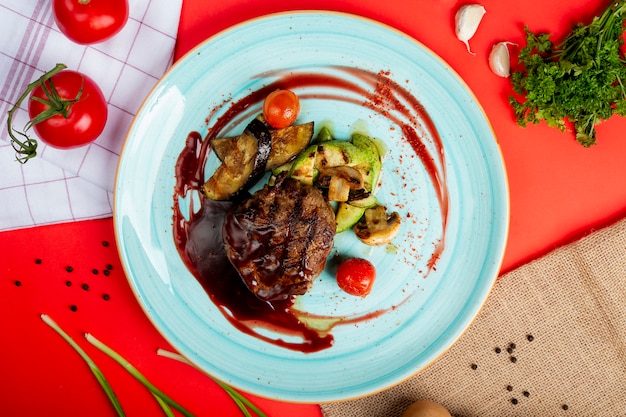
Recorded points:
(67, 185)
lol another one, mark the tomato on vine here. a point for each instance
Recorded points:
(90, 21)
(356, 276)
(66, 108)
(281, 108)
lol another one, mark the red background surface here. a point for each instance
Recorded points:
(559, 191)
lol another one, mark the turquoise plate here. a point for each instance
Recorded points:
(455, 212)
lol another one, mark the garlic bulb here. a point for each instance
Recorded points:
(466, 21)
(500, 60)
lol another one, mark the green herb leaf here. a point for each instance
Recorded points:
(579, 81)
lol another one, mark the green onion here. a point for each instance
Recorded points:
(138, 376)
(163, 399)
(92, 365)
(166, 408)
(242, 402)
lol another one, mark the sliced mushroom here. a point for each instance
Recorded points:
(340, 180)
(376, 227)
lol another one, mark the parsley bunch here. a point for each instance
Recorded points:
(580, 81)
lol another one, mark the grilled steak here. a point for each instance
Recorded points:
(279, 239)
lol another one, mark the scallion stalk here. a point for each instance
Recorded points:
(138, 375)
(92, 365)
(242, 402)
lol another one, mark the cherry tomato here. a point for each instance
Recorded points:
(356, 276)
(281, 108)
(90, 21)
(86, 116)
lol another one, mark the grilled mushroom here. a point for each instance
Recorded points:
(376, 227)
(340, 180)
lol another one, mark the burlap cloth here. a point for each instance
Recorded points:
(565, 315)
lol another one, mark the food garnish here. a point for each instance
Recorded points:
(356, 276)
(281, 108)
(104, 383)
(165, 402)
(579, 81)
(467, 20)
(242, 402)
(66, 109)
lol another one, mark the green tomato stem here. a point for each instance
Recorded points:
(135, 373)
(92, 365)
(27, 147)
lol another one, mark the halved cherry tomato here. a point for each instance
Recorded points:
(281, 108)
(82, 102)
(356, 276)
(90, 21)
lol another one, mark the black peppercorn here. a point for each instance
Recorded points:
(514, 401)
(526, 394)
(498, 350)
(69, 268)
(509, 388)
(68, 283)
(565, 407)
(106, 297)
(530, 337)
(109, 267)
(106, 272)
(38, 261)
(474, 366)
(85, 287)
(18, 283)
(73, 307)
(513, 359)
(94, 271)
(105, 243)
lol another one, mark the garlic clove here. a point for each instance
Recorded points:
(466, 20)
(500, 60)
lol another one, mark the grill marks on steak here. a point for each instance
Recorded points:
(279, 239)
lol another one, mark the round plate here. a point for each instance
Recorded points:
(416, 313)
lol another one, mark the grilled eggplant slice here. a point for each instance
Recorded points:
(234, 171)
(247, 157)
(286, 144)
(264, 146)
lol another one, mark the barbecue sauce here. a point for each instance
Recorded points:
(198, 236)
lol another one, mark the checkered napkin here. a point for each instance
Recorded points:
(68, 185)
